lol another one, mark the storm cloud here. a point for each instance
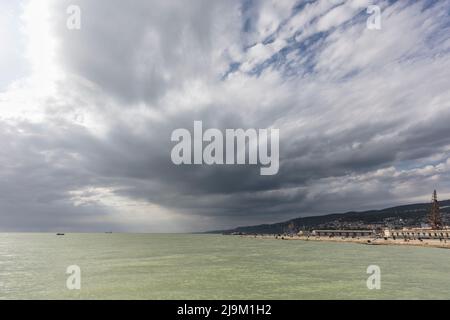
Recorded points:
(85, 133)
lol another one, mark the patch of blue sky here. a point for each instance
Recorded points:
(301, 5)
(307, 49)
(231, 68)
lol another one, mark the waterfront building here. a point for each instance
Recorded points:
(418, 233)
(344, 233)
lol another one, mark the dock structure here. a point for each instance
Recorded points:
(418, 233)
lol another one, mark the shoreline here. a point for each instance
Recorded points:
(427, 243)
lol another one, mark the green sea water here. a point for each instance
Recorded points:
(172, 266)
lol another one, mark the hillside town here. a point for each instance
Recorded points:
(432, 226)
(408, 225)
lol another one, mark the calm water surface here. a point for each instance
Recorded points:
(153, 266)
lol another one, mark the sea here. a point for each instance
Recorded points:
(204, 266)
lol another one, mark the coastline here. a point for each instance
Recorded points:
(430, 243)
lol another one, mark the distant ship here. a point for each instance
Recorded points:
(60, 234)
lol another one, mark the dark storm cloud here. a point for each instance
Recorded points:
(137, 52)
(99, 158)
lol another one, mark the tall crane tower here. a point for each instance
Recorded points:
(434, 216)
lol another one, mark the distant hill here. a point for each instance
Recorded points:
(406, 215)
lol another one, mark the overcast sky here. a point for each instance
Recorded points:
(86, 115)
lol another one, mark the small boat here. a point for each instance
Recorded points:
(60, 234)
